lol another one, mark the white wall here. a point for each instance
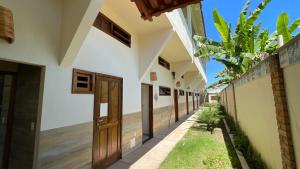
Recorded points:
(210, 96)
(113, 58)
(38, 30)
(38, 27)
(164, 78)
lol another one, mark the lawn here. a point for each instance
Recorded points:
(201, 150)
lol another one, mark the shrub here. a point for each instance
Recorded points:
(230, 122)
(211, 117)
(206, 104)
(242, 143)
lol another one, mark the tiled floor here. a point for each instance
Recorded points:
(152, 153)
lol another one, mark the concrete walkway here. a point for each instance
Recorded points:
(151, 154)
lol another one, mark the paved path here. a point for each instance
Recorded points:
(151, 154)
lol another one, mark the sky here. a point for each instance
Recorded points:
(230, 10)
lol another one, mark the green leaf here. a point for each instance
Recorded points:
(282, 27)
(255, 14)
(245, 8)
(205, 40)
(262, 41)
(221, 26)
(294, 26)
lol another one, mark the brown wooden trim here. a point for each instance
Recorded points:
(187, 103)
(96, 100)
(176, 104)
(163, 87)
(150, 8)
(91, 86)
(147, 84)
(98, 24)
(150, 108)
(10, 119)
(151, 111)
(164, 63)
(193, 101)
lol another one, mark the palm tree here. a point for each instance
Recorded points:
(283, 27)
(240, 50)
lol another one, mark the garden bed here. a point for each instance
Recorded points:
(199, 149)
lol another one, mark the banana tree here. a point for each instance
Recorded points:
(283, 27)
(240, 50)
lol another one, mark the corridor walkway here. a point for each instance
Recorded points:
(151, 154)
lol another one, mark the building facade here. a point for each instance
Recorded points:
(88, 81)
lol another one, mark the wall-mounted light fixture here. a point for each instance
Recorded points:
(153, 76)
(6, 25)
(178, 84)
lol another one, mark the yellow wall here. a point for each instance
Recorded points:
(292, 82)
(230, 102)
(256, 116)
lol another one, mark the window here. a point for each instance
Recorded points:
(181, 92)
(163, 63)
(190, 93)
(164, 91)
(108, 26)
(83, 82)
(213, 97)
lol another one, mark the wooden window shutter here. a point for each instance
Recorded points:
(83, 82)
(105, 24)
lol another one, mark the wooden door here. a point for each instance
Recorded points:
(176, 104)
(193, 101)
(107, 121)
(197, 100)
(187, 102)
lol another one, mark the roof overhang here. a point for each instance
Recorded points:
(125, 14)
(150, 8)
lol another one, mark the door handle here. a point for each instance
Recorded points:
(99, 121)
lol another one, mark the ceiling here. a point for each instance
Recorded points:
(128, 12)
(175, 51)
(150, 8)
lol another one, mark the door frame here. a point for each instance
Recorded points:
(176, 104)
(120, 116)
(10, 118)
(150, 108)
(187, 102)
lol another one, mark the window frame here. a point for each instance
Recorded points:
(121, 37)
(90, 89)
(168, 93)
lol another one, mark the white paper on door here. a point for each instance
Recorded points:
(103, 109)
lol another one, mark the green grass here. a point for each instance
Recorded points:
(200, 150)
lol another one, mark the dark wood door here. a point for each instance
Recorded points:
(197, 101)
(7, 94)
(193, 101)
(187, 102)
(176, 104)
(147, 111)
(107, 121)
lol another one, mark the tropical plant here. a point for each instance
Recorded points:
(283, 27)
(211, 116)
(240, 50)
